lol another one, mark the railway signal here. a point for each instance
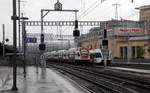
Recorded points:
(105, 44)
(132, 1)
(42, 46)
(42, 37)
(105, 33)
(76, 32)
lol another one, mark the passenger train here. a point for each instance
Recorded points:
(97, 56)
(79, 55)
(72, 55)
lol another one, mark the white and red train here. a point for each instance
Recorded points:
(97, 56)
(72, 55)
(77, 55)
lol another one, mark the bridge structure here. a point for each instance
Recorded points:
(53, 37)
(63, 23)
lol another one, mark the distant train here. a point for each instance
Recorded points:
(72, 55)
(78, 55)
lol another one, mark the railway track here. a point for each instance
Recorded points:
(101, 78)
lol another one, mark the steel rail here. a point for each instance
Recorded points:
(120, 80)
(97, 80)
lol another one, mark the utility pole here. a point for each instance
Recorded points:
(19, 24)
(14, 18)
(116, 12)
(57, 8)
(113, 36)
(24, 47)
(128, 47)
(24, 42)
(3, 40)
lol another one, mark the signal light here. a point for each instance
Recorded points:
(76, 24)
(105, 44)
(76, 33)
(42, 37)
(42, 47)
(105, 33)
(132, 1)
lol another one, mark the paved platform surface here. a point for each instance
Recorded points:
(46, 81)
(132, 70)
(132, 63)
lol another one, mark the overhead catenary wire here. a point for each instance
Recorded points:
(108, 9)
(94, 6)
(84, 13)
(89, 8)
(132, 12)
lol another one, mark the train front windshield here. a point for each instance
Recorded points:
(84, 52)
(97, 55)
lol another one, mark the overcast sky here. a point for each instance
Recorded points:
(89, 10)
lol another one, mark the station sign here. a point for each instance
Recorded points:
(31, 40)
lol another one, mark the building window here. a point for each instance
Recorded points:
(140, 51)
(133, 52)
(137, 51)
(100, 46)
(123, 52)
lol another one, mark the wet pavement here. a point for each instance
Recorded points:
(132, 70)
(45, 81)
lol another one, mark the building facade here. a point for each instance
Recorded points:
(144, 13)
(126, 39)
(145, 18)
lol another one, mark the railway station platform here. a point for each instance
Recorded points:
(134, 70)
(132, 63)
(45, 81)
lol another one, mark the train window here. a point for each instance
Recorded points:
(96, 55)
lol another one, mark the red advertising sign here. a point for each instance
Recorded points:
(126, 30)
(130, 29)
(109, 30)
